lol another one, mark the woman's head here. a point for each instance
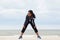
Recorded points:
(30, 13)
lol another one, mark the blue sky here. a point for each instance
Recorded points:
(13, 12)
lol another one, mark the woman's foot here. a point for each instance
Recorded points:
(20, 37)
(39, 37)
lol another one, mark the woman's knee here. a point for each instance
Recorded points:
(24, 27)
(35, 29)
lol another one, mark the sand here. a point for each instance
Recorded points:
(31, 37)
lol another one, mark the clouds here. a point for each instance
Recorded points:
(13, 12)
(15, 9)
(11, 3)
(18, 4)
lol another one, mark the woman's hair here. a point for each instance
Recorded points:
(32, 13)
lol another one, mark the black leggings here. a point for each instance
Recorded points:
(32, 24)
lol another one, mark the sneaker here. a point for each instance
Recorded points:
(39, 37)
(20, 37)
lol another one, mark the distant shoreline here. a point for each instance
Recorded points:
(29, 32)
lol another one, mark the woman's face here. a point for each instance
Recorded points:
(29, 14)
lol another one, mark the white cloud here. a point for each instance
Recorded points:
(41, 10)
(12, 13)
(12, 3)
(45, 10)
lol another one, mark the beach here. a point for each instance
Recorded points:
(29, 35)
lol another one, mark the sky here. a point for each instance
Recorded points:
(13, 12)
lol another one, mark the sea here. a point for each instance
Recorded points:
(29, 32)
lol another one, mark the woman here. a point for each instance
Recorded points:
(30, 20)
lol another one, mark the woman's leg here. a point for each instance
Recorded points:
(23, 29)
(35, 29)
(22, 32)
